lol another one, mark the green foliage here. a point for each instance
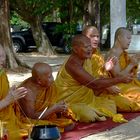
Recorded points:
(39, 6)
(105, 12)
(16, 20)
(132, 11)
(67, 28)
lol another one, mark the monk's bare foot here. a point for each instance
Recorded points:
(102, 118)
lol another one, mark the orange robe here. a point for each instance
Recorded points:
(129, 98)
(7, 115)
(82, 99)
(46, 98)
(124, 61)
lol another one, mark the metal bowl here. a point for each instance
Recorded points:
(45, 132)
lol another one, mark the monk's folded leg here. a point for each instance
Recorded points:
(85, 113)
(125, 104)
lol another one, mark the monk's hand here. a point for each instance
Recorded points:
(133, 60)
(110, 63)
(60, 107)
(113, 89)
(16, 93)
(127, 78)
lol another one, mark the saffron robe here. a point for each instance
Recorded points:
(46, 98)
(82, 99)
(7, 114)
(129, 98)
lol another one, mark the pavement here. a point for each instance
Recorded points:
(126, 131)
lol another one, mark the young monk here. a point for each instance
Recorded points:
(41, 96)
(123, 103)
(7, 99)
(76, 85)
(126, 65)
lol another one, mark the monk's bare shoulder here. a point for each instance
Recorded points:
(27, 84)
(73, 66)
(113, 52)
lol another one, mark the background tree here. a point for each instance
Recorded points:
(133, 6)
(5, 39)
(33, 12)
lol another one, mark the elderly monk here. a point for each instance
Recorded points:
(8, 97)
(124, 103)
(39, 106)
(77, 86)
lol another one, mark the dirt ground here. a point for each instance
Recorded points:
(55, 61)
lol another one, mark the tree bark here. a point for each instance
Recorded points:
(40, 37)
(42, 42)
(5, 38)
(12, 60)
(92, 13)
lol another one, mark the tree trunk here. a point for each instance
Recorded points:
(12, 60)
(5, 38)
(42, 42)
(92, 13)
(97, 14)
(86, 14)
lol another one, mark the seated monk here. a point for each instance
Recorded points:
(76, 84)
(42, 95)
(124, 104)
(100, 67)
(92, 33)
(126, 65)
(8, 97)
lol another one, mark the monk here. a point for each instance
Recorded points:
(77, 86)
(126, 65)
(8, 97)
(39, 106)
(101, 67)
(123, 103)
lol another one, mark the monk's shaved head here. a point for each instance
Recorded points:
(81, 46)
(122, 38)
(120, 32)
(88, 29)
(93, 34)
(40, 69)
(79, 39)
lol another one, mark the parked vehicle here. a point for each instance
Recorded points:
(23, 40)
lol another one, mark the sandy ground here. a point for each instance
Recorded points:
(127, 131)
(30, 59)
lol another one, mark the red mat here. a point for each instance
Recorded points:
(86, 129)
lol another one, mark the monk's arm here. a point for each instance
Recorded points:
(83, 77)
(13, 95)
(28, 108)
(116, 70)
(4, 103)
